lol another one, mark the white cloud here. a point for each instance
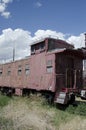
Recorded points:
(6, 14)
(38, 4)
(78, 41)
(18, 39)
(3, 7)
(6, 1)
(48, 33)
(21, 39)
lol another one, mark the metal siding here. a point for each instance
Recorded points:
(38, 77)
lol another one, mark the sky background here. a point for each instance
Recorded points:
(24, 21)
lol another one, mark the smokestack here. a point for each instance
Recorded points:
(85, 40)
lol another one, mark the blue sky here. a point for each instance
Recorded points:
(24, 20)
(67, 16)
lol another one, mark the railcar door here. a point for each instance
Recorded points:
(79, 78)
(73, 78)
(60, 81)
(69, 76)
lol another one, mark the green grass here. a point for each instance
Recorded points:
(77, 110)
(4, 100)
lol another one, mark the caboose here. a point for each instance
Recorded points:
(54, 69)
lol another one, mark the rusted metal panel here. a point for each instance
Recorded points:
(38, 77)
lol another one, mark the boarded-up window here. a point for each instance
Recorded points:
(49, 66)
(19, 70)
(27, 69)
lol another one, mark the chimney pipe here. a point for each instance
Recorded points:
(85, 40)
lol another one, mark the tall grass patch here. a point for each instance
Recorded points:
(80, 109)
(4, 100)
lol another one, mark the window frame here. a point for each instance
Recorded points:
(19, 70)
(9, 71)
(27, 69)
(1, 72)
(49, 66)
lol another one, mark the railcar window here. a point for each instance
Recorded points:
(42, 46)
(9, 71)
(54, 45)
(51, 45)
(32, 49)
(0, 72)
(38, 47)
(49, 69)
(27, 69)
(19, 70)
(49, 66)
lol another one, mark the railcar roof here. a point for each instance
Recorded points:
(17, 60)
(75, 52)
(56, 39)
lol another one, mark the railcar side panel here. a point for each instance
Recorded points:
(35, 77)
(40, 79)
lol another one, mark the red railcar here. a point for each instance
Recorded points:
(54, 69)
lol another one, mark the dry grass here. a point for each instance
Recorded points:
(76, 123)
(27, 117)
(34, 114)
(79, 99)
